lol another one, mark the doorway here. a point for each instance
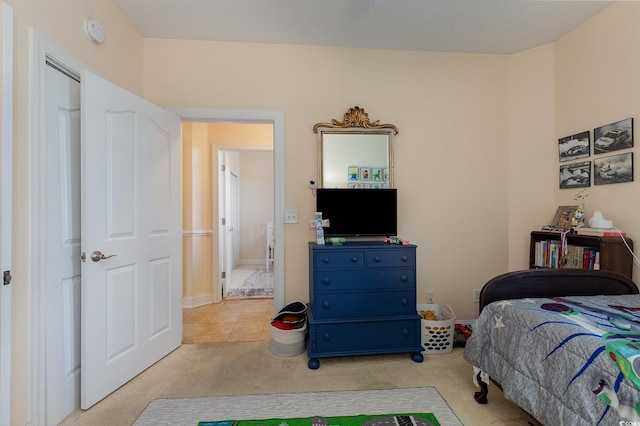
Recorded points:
(275, 119)
(245, 197)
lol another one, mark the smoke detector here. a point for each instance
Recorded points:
(93, 30)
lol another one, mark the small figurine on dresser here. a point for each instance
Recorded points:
(577, 221)
(319, 223)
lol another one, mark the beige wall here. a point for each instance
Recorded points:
(197, 214)
(532, 169)
(476, 157)
(119, 59)
(597, 69)
(256, 205)
(451, 154)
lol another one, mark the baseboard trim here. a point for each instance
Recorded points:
(195, 301)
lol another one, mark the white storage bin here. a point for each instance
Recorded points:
(287, 342)
(436, 337)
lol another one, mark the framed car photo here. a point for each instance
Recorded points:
(613, 137)
(575, 175)
(574, 146)
(613, 169)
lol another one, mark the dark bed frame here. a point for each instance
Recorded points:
(539, 283)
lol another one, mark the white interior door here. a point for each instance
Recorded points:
(131, 210)
(226, 214)
(62, 245)
(234, 214)
(229, 201)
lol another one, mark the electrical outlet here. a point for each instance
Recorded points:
(291, 216)
(476, 295)
(430, 297)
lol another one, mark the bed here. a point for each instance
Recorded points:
(561, 344)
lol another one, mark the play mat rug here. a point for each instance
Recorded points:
(417, 419)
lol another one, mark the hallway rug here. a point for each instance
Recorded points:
(191, 411)
(259, 283)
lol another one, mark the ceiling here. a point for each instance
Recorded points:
(481, 26)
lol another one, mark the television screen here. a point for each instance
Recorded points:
(358, 212)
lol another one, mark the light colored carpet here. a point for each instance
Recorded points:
(189, 411)
(249, 368)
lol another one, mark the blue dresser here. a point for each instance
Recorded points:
(362, 300)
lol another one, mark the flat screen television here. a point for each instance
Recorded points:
(358, 212)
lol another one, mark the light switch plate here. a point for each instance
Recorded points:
(291, 216)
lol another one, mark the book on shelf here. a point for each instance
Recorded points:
(601, 232)
(547, 254)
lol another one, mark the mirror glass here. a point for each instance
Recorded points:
(355, 153)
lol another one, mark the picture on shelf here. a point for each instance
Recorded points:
(353, 172)
(613, 169)
(365, 173)
(574, 146)
(562, 219)
(613, 137)
(575, 175)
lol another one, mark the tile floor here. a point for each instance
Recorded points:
(232, 320)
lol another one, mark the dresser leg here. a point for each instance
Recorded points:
(314, 363)
(417, 357)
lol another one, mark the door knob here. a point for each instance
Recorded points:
(97, 256)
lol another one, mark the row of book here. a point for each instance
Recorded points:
(548, 254)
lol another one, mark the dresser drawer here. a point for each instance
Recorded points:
(395, 257)
(327, 339)
(346, 259)
(326, 280)
(371, 304)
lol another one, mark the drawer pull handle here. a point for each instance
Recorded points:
(326, 304)
(327, 336)
(405, 258)
(326, 281)
(405, 332)
(325, 260)
(354, 259)
(377, 259)
(404, 301)
(404, 278)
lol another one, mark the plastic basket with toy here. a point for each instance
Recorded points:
(437, 327)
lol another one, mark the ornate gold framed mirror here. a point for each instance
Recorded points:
(355, 152)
